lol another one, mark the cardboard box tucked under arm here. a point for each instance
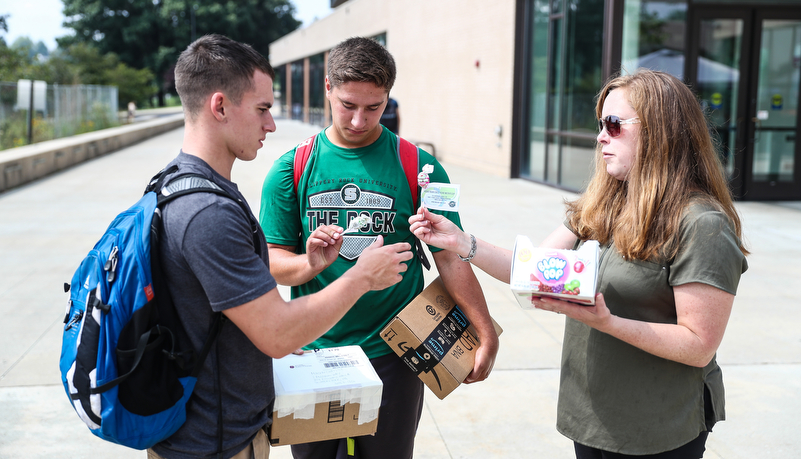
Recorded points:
(434, 338)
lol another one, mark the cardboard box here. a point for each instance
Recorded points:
(324, 394)
(565, 274)
(434, 338)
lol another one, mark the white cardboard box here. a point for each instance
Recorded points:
(570, 275)
(324, 394)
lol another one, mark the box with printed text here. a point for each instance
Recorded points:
(565, 274)
(324, 394)
(434, 338)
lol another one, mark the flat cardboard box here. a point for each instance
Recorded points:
(569, 275)
(324, 394)
(434, 338)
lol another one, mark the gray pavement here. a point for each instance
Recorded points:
(48, 226)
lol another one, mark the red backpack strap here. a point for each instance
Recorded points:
(302, 153)
(410, 160)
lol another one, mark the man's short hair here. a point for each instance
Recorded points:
(216, 63)
(362, 60)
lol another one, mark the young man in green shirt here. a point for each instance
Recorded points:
(354, 170)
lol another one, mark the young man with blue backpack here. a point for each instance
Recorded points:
(358, 168)
(209, 259)
(216, 270)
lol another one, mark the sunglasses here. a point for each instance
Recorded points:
(612, 124)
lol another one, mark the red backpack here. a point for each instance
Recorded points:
(409, 158)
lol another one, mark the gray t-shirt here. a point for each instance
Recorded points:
(211, 265)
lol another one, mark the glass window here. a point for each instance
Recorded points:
(750, 2)
(552, 161)
(533, 163)
(555, 64)
(577, 162)
(297, 90)
(583, 64)
(777, 101)
(278, 87)
(317, 89)
(381, 38)
(539, 64)
(317, 80)
(653, 36)
(565, 65)
(718, 81)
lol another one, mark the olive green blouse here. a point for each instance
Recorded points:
(616, 397)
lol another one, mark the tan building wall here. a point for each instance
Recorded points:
(455, 63)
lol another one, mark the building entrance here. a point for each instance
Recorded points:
(745, 64)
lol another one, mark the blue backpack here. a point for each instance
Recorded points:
(126, 361)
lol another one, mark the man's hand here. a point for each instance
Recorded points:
(485, 359)
(322, 247)
(461, 283)
(382, 265)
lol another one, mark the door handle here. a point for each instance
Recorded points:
(757, 127)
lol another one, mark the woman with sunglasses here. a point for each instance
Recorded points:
(639, 376)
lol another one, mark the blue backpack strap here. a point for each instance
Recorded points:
(179, 186)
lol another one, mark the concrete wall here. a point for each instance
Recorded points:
(25, 164)
(455, 61)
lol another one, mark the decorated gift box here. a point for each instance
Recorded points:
(566, 274)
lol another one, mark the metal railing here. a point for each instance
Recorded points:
(58, 111)
(316, 115)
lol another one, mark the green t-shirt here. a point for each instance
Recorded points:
(339, 184)
(616, 397)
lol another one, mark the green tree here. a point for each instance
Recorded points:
(3, 25)
(79, 64)
(31, 48)
(57, 69)
(11, 61)
(92, 67)
(135, 85)
(90, 64)
(152, 33)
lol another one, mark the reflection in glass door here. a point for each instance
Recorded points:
(718, 80)
(775, 120)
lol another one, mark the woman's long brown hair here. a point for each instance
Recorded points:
(675, 160)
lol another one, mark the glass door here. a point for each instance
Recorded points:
(718, 82)
(745, 66)
(774, 163)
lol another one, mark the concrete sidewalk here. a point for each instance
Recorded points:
(48, 226)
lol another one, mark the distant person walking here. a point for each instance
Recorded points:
(131, 111)
(391, 117)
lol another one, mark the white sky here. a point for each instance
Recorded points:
(40, 20)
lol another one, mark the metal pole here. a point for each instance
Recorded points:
(30, 117)
(192, 14)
